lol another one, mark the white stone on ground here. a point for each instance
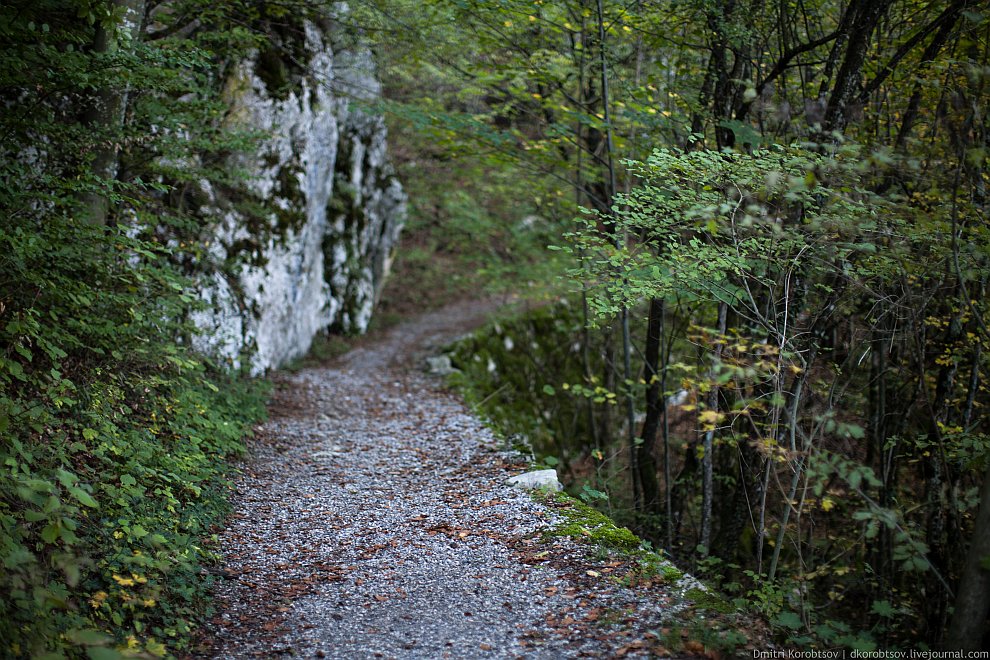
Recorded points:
(535, 480)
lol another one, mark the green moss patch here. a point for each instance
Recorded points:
(590, 525)
(707, 600)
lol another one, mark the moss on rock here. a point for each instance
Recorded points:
(591, 525)
(708, 600)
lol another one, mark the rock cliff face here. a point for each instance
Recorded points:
(305, 244)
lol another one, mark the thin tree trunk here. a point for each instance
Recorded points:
(619, 242)
(792, 420)
(654, 408)
(668, 492)
(847, 83)
(707, 478)
(105, 115)
(914, 105)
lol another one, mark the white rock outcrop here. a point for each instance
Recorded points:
(305, 243)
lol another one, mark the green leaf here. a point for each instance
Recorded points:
(83, 497)
(88, 637)
(788, 620)
(50, 533)
(883, 608)
(66, 478)
(549, 390)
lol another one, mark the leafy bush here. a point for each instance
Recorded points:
(113, 443)
(112, 434)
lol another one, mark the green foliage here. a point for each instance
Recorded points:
(725, 227)
(113, 434)
(813, 174)
(503, 368)
(114, 440)
(476, 232)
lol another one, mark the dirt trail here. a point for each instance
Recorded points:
(372, 520)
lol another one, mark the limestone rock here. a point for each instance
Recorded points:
(306, 242)
(535, 480)
(440, 365)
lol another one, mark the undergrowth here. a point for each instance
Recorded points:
(114, 439)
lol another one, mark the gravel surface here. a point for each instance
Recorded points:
(372, 520)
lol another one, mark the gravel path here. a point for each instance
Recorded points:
(372, 520)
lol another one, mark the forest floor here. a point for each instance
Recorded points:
(371, 519)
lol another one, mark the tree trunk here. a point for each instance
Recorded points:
(866, 16)
(707, 478)
(972, 606)
(647, 462)
(106, 114)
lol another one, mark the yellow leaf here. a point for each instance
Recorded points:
(710, 417)
(156, 649)
(828, 503)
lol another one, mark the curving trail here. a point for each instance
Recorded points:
(372, 520)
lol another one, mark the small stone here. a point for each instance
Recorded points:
(537, 479)
(440, 365)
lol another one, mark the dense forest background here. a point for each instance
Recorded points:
(757, 336)
(770, 360)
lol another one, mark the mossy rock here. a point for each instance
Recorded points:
(588, 524)
(652, 565)
(707, 600)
